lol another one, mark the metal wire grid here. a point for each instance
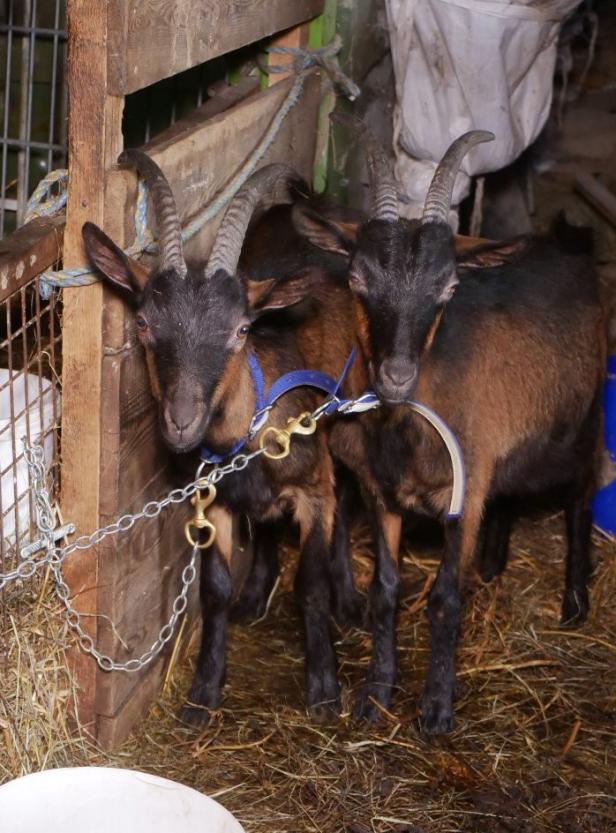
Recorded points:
(30, 406)
(33, 139)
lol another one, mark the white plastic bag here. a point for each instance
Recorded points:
(469, 64)
(32, 416)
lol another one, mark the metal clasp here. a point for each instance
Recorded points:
(201, 500)
(303, 424)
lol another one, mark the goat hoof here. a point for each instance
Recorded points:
(368, 701)
(489, 570)
(574, 610)
(350, 611)
(323, 696)
(323, 713)
(196, 716)
(436, 716)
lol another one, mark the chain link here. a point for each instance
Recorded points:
(55, 555)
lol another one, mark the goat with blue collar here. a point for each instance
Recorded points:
(221, 352)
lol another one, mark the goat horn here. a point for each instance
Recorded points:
(171, 255)
(262, 187)
(438, 198)
(382, 182)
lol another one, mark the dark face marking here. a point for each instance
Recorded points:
(402, 274)
(195, 331)
(190, 328)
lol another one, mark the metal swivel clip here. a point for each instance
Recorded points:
(303, 424)
(201, 500)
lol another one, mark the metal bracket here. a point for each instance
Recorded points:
(40, 543)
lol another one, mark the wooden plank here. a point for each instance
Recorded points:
(598, 196)
(29, 251)
(95, 139)
(226, 98)
(208, 155)
(136, 582)
(296, 38)
(154, 39)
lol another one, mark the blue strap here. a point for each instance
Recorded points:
(311, 379)
(282, 385)
(257, 380)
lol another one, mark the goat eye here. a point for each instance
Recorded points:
(142, 324)
(243, 330)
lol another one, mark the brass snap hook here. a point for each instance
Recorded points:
(303, 424)
(201, 500)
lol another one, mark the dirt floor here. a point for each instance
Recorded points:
(534, 750)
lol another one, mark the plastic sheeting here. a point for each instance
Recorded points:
(469, 64)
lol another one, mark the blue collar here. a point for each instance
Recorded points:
(282, 385)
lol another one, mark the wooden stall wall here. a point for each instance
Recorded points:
(113, 459)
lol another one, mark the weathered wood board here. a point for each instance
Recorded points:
(154, 39)
(29, 251)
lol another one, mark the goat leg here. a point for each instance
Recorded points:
(216, 590)
(255, 593)
(383, 606)
(578, 520)
(495, 551)
(312, 590)
(444, 608)
(349, 605)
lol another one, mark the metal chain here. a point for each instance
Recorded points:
(55, 555)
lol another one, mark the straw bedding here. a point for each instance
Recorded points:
(535, 743)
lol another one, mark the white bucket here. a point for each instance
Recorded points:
(33, 417)
(105, 800)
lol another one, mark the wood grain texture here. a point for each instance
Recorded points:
(94, 138)
(29, 251)
(154, 39)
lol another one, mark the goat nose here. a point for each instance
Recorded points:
(398, 373)
(178, 419)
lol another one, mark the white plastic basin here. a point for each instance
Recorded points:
(105, 800)
(33, 416)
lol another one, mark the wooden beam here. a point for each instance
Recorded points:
(154, 39)
(95, 139)
(29, 251)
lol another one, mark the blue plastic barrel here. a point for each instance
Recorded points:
(604, 503)
(610, 407)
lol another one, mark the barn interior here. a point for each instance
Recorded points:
(534, 745)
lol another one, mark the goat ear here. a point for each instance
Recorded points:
(273, 294)
(489, 254)
(256, 291)
(330, 235)
(449, 286)
(123, 272)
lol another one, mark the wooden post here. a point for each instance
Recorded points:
(94, 139)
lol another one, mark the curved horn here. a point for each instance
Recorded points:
(271, 182)
(171, 255)
(440, 192)
(382, 182)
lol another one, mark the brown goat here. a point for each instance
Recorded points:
(512, 357)
(200, 325)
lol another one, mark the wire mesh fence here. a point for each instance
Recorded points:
(30, 408)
